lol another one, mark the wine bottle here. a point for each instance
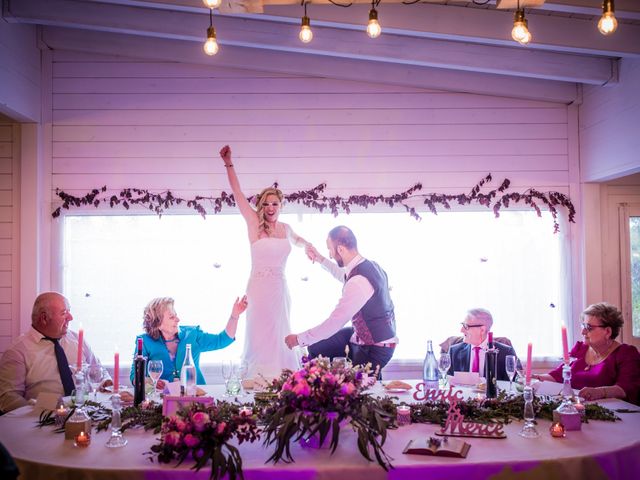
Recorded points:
(140, 369)
(491, 368)
(430, 369)
(188, 374)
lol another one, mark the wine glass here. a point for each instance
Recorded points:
(227, 372)
(243, 369)
(155, 369)
(444, 363)
(95, 375)
(510, 367)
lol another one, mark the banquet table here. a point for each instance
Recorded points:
(601, 450)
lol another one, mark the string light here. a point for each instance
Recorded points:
(211, 45)
(373, 27)
(212, 3)
(607, 23)
(306, 35)
(520, 32)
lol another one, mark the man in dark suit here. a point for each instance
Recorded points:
(469, 355)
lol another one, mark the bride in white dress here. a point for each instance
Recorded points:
(267, 293)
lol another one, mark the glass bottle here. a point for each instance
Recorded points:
(188, 374)
(140, 371)
(491, 368)
(430, 369)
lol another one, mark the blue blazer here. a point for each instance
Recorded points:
(200, 342)
(461, 356)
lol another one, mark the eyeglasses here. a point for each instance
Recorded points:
(588, 327)
(273, 204)
(467, 327)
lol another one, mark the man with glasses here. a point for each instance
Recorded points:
(468, 356)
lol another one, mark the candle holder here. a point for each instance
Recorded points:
(116, 440)
(557, 430)
(82, 440)
(61, 414)
(567, 392)
(246, 411)
(529, 428)
(403, 415)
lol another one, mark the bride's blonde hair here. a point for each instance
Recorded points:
(262, 223)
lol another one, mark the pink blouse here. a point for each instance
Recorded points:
(621, 368)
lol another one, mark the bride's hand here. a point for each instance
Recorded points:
(225, 154)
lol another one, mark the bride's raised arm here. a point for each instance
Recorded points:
(247, 211)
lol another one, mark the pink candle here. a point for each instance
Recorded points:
(80, 342)
(528, 374)
(116, 371)
(490, 340)
(565, 345)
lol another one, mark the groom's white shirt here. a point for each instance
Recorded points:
(356, 292)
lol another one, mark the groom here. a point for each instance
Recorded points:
(365, 302)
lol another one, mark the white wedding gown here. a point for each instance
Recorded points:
(268, 310)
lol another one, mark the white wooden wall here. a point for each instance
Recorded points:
(123, 122)
(8, 228)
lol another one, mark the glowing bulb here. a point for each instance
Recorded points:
(608, 23)
(373, 27)
(212, 3)
(520, 32)
(306, 35)
(211, 45)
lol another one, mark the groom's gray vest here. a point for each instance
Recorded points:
(375, 321)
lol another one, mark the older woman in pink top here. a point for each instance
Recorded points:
(603, 367)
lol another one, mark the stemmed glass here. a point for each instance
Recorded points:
(510, 366)
(444, 363)
(95, 375)
(227, 373)
(155, 369)
(242, 370)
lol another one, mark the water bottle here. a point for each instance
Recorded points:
(430, 369)
(188, 374)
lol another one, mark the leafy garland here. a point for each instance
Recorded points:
(502, 409)
(315, 198)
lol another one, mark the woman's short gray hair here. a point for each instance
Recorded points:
(152, 316)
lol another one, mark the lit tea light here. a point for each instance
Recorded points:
(403, 415)
(82, 440)
(60, 415)
(246, 411)
(557, 430)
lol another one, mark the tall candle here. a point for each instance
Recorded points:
(565, 345)
(116, 371)
(80, 342)
(528, 374)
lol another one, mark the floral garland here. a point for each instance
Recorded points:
(315, 198)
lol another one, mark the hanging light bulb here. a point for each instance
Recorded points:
(520, 32)
(607, 23)
(306, 35)
(373, 27)
(212, 3)
(211, 45)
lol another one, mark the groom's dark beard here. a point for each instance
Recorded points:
(339, 260)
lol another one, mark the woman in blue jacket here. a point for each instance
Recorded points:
(165, 340)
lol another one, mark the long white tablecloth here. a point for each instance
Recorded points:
(601, 450)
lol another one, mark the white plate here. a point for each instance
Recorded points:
(397, 390)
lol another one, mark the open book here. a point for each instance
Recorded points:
(446, 447)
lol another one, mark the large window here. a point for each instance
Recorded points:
(438, 268)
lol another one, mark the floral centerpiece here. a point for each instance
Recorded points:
(204, 433)
(319, 399)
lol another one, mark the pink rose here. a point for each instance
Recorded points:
(200, 421)
(181, 425)
(302, 388)
(191, 440)
(347, 388)
(329, 378)
(172, 439)
(220, 428)
(287, 386)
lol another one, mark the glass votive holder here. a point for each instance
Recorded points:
(82, 440)
(60, 415)
(557, 430)
(339, 362)
(403, 415)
